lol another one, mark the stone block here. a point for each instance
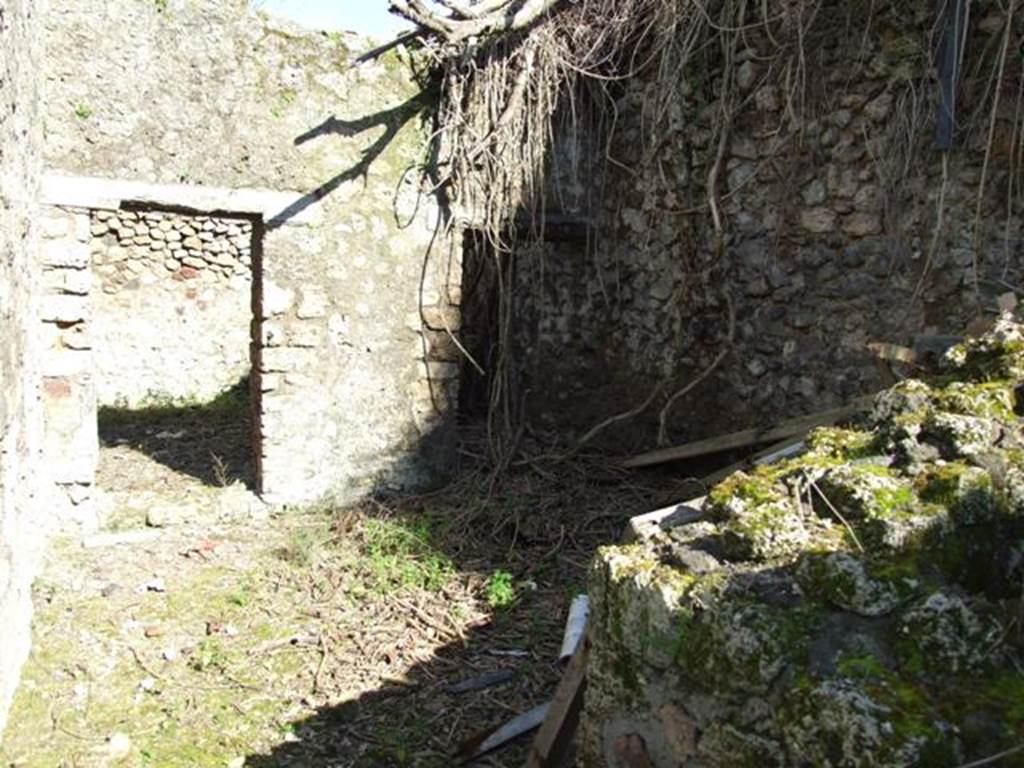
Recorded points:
(306, 337)
(65, 253)
(63, 308)
(442, 371)
(66, 362)
(819, 220)
(76, 281)
(272, 334)
(284, 359)
(276, 300)
(76, 337)
(814, 193)
(862, 224)
(71, 446)
(54, 224)
(312, 304)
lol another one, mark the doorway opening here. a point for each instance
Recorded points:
(174, 335)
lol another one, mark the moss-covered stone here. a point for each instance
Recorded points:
(836, 723)
(766, 531)
(960, 437)
(966, 491)
(876, 504)
(998, 354)
(853, 606)
(725, 746)
(840, 443)
(988, 400)
(844, 581)
(742, 645)
(864, 492)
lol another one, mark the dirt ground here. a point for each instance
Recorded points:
(231, 635)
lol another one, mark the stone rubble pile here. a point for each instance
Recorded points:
(858, 605)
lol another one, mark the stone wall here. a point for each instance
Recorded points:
(71, 443)
(828, 224)
(20, 149)
(172, 307)
(201, 95)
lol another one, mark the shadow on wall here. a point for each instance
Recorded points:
(215, 441)
(392, 120)
(211, 441)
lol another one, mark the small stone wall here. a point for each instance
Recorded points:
(172, 307)
(22, 516)
(856, 606)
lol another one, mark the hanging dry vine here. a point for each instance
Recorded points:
(511, 69)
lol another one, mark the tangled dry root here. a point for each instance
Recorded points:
(512, 69)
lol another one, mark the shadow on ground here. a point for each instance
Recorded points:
(470, 580)
(210, 441)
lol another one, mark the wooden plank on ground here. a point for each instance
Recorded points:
(791, 446)
(749, 436)
(556, 733)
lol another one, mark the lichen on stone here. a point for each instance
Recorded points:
(854, 606)
(742, 645)
(966, 491)
(840, 443)
(958, 436)
(943, 633)
(726, 746)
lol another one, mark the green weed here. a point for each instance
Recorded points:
(402, 556)
(209, 654)
(499, 590)
(301, 547)
(83, 112)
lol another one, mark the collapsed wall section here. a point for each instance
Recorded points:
(829, 191)
(21, 521)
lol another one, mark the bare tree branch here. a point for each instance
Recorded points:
(474, 11)
(488, 17)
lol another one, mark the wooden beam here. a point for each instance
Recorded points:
(749, 436)
(556, 732)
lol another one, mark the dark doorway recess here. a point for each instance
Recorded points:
(480, 326)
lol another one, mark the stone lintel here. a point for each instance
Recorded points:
(274, 207)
